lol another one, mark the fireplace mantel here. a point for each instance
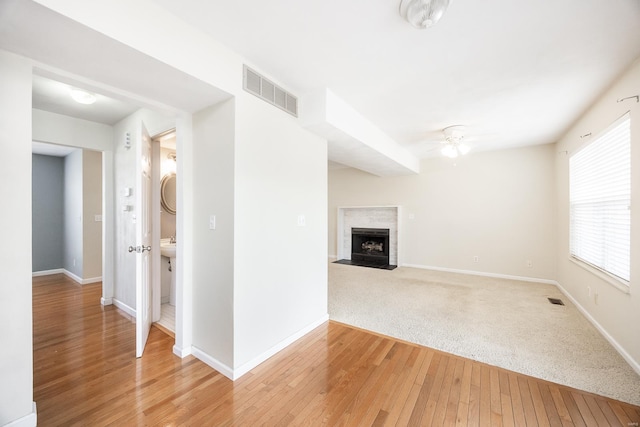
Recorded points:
(368, 217)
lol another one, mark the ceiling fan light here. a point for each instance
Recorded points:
(423, 13)
(463, 148)
(449, 151)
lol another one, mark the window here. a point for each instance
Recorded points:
(600, 201)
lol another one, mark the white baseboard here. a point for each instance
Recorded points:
(633, 363)
(182, 352)
(47, 272)
(333, 256)
(124, 307)
(246, 367)
(68, 274)
(91, 280)
(213, 362)
(72, 276)
(482, 273)
(165, 300)
(234, 374)
(106, 301)
(626, 356)
(29, 420)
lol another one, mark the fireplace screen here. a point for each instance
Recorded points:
(370, 245)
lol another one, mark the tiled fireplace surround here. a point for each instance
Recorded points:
(367, 217)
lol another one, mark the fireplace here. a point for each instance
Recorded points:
(382, 251)
(370, 246)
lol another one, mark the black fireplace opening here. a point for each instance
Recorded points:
(370, 245)
(369, 248)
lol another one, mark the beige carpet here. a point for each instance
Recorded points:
(505, 323)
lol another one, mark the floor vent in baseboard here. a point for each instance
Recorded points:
(556, 301)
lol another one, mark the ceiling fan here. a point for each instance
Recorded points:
(454, 144)
(450, 141)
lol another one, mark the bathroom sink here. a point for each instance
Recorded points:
(168, 249)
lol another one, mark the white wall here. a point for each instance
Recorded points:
(499, 206)
(64, 130)
(135, 25)
(212, 175)
(16, 357)
(258, 277)
(617, 313)
(280, 267)
(73, 214)
(91, 206)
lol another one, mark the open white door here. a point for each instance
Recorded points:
(143, 239)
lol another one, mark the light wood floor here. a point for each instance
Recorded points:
(86, 373)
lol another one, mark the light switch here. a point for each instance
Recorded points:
(127, 191)
(302, 221)
(212, 222)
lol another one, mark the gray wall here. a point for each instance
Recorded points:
(48, 212)
(67, 195)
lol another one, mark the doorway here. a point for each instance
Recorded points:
(164, 206)
(67, 212)
(110, 132)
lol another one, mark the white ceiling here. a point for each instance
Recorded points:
(514, 72)
(54, 96)
(85, 58)
(76, 56)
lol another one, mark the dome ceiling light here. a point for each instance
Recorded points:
(423, 13)
(82, 96)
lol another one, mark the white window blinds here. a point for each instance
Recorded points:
(600, 200)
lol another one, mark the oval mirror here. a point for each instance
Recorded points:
(168, 193)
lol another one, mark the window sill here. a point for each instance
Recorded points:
(619, 284)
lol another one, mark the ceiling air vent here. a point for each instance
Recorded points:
(262, 88)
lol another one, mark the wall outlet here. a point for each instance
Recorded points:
(212, 222)
(476, 258)
(74, 262)
(302, 221)
(529, 264)
(97, 218)
(595, 298)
